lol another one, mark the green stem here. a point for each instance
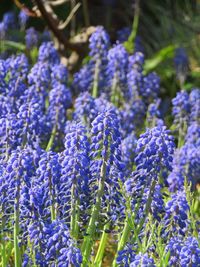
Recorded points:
(181, 134)
(2, 241)
(3, 246)
(114, 91)
(148, 205)
(52, 207)
(16, 230)
(88, 240)
(96, 79)
(135, 21)
(51, 140)
(130, 43)
(102, 245)
(76, 228)
(190, 199)
(53, 133)
(73, 211)
(53, 212)
(31, 253)
(122, 242)
(127, 227)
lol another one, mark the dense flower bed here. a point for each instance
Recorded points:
(92, 162)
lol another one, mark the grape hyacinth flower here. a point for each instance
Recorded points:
(6, 208)
(6, 106)
(181, 63)
(85, 109)
(157, 205)
(105, 156)
(193, 134)
(99, 43)
(60, 100)
(37, 236)
(31, 121)
(102, 104)
(59, 75)
(92, 76)
(186, 165)
(105, 128)
(190, 253)
(23, 127)
(184, 252)
(154, 157)
(18, 173)
(48, 174)
(23, 18)
(181, 111)
(128, 148)
(140, 195)
(9, 127)
(150, 87)
(142, 260)
(155, 149)
(40, 77)
(138, 45)
(46, 36)
(194, 99)
(60, 248)
(85, 168)
(181, 108)
(190, 161)
(176, 215)
(18, 67)
(75, 176)
(82, 81)
(176, 179)
(2, 31)
(26, 261)
(174, 246)
(47, 53)
(134, 75)
(3, 72)
(116, 72)
(154, 115)
(31, 38)
(123, 34)
(126, 256)
(9, 20)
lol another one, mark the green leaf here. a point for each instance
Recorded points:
(34, 54)
(160, 56)
(14, 45)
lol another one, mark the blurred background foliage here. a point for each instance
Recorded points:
(161, 26)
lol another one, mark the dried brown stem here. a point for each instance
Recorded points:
(53, 24)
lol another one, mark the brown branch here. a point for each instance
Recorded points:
(53, 24)
(21, 6)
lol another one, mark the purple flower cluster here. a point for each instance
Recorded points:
(31, 38)
(155, 149)
(181, 63)
(184, 252)
(176, 216)
(186, 160)
(91, 162)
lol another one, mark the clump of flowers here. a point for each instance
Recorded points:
(88, 165)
